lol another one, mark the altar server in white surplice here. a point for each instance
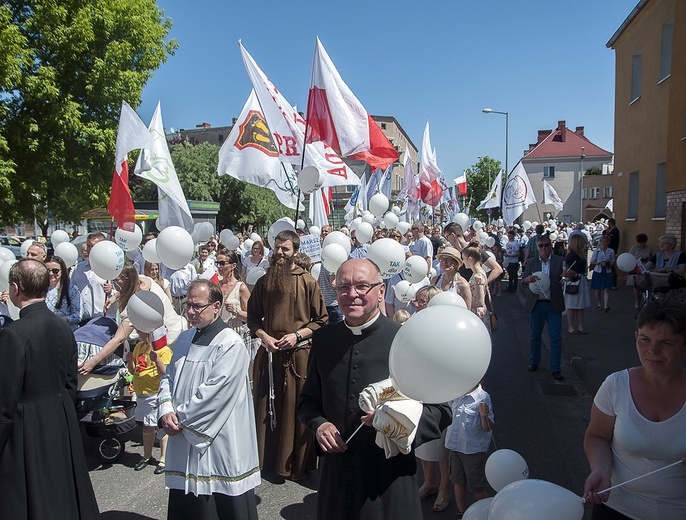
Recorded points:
(206, 408)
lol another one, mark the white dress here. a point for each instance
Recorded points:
(208, 388)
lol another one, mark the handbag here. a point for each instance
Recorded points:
(491, 315)
(572, 288)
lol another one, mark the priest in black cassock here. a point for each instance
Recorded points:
(356, 480)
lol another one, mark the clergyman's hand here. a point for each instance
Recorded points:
(329, 439)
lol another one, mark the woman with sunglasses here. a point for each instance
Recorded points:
(236, 293)
(63, 298)
(152, 270)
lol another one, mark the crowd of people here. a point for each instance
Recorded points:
(288, 355)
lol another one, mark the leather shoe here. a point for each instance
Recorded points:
(533, 367)
(557, 375)
(160, 468)
(142, 464)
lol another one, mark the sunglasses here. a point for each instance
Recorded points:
(544, 245)
(222, 263)
(55, 272)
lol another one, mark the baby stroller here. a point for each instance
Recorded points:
(100, 405)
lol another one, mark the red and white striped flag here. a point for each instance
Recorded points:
(158, 338)
(210, 273)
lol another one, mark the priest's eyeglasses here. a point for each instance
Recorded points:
(361, 288)
(197, 308)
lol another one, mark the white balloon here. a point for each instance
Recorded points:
(439, 354)
(532, 498)
(526, 225)
(6, 254)
(403, 227)
(106, 259)
(314, 230)
(277, 227)
(553, 237)
(405, 291)
(315, 270)
(145, 311)
(477, 225)
(67, 252)
(534, 224)
(415, 269)
(225, 235)
(388, 255)
(150, 251)
(447, 298)
(478, 510)
(355, 222)
(232, 243)
(333, 255)
(368, 218)
(433, 273)
(391, 220)
(396, 210)
(255, 274)
(58, 236)
(255, 237)
(205, 231)
(5, 274)
(128, 239)
(247, 245)
(626, 262)
(364, 232)
(195, 236)
(490, 241)
(378, 204)
(132, 255)
(310, 179)
(24, 249)
(337, 237)
(462, 220)
(300, 224)
(175, 247)
(483, 237)
(504, 467)
(553, 226)
(542, 285)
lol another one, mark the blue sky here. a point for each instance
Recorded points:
(540, 60)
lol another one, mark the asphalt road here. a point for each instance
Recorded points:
(542, 419)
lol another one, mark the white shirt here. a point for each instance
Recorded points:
(466, 434)
(92, 292)
(423, 247)
(180, 279)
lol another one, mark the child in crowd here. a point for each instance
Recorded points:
(401, 316)
(468, 439)
(147, 363)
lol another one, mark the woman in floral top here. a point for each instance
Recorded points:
(478, 283)
(63, 298)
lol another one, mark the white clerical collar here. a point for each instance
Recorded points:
(357, 331)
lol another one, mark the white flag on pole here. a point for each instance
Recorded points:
(492, 200)
(155, 164)
(610, 205)
(517, 195)
(250, 154)
(550, 196)
(317, 210)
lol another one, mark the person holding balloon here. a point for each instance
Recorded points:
(450, 278)
(255, 259)
(63, 297)
(94, 290)
(637, 425)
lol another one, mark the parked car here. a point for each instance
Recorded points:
(12, 244)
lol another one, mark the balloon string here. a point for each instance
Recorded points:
(635, 478)
(378, 406)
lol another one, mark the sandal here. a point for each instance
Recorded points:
(441, 504)
(426, 492)
(581, 331)
(160, 468)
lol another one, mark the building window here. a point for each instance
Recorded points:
(633, 195)
(549, 172)
(383, 126)
(660, 193)
(584, 193)
(595, 191)
(607, 192)
(221, 138)
(666, 49)
(636, 66)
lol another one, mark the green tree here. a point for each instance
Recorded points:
(480, 176)
(79, 60)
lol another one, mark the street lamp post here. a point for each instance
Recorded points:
(507, 134)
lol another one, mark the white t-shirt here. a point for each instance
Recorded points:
(640, 446)
(423, 247)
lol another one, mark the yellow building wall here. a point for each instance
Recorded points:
(676, 146)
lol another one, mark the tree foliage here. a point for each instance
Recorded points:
(240, 203)
(60, 96)
(480, 176)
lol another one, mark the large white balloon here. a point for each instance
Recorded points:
(225, 235)
(5, 274)
(145, 311)
(283, 224)
(504, 467)
(553, 237)
(67, 252)
(388, 255)
(626, 262)
(175, 247)
(300, 224)
(132, 255)
(315, 270)
(24, 249)
(415, 269)
(440, 354)
(315, 230)
(150, 251)
(368, 218)
(490, 241)
(447, 298)
(205, 231)
(107, 259)
(337, 237)
(527, 499)
(255, 274)
(477, 225)
(364, 232)
(333, 255)
(310, 179)
(58, 236)
(232, 243)
(128, 240)
(391, 220)
(403, 227)
(462, 220)
(542, 285)
(526, 225)
(396, 210)
(255, 237)
(405, 291)
(355, 222)
(483, 237)
(478, 510)
(6, 254)
(378, 204)
(247, 245)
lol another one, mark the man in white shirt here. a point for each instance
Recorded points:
(511, 261)
(422, 245)
(94, 290)
(179, 280)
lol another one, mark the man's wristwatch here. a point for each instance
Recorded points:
(298, 337)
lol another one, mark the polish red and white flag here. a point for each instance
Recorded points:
(430, 185)
(336, 117)
(461, 183)
(210, 274)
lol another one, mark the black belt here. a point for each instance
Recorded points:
(543, 301)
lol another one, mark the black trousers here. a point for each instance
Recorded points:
(211, 507)
(512, 272)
